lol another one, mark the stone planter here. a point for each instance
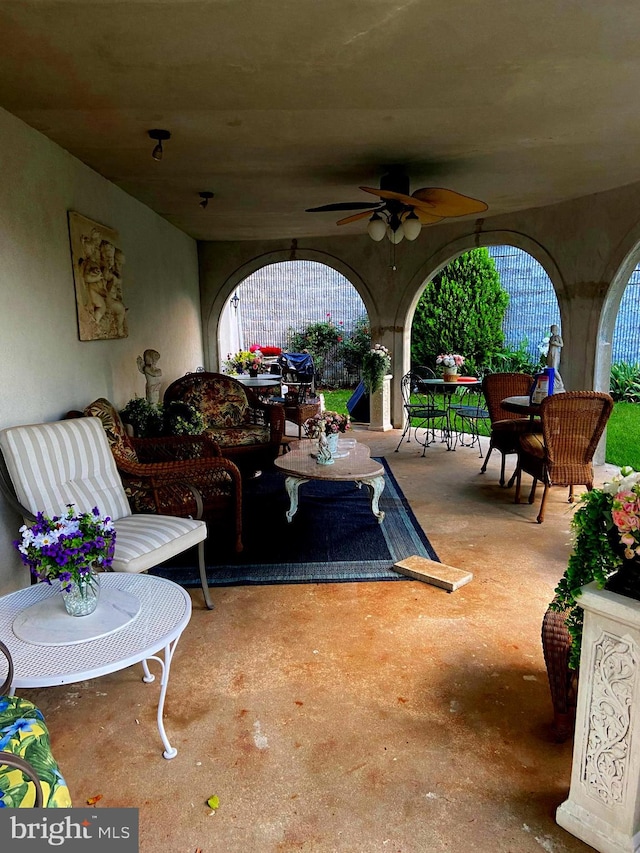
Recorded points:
(380, 407)
(603, 806)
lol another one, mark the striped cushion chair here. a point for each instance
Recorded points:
(70, 462)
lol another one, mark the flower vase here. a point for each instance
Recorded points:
(253, 372)
(324, 456)
(332, 441)
(81, 598)
(450, 374)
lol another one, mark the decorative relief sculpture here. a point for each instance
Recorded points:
(607, 751)
(97, 273)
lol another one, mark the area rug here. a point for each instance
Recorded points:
(333, 537)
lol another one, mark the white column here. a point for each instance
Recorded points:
(603, 807)
(380, 407)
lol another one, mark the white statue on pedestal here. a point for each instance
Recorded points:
(553, 358)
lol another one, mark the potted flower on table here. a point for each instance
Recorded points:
(326, 427)
(450, 363)
(71, 549)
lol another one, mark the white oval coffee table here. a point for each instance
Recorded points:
(300, 466)
(142, 615)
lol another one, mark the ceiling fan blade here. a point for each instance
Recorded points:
(341, 205)
(408, 200)
(448, 202)
(427, 218)
(355, 217)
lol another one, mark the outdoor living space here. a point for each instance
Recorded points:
(352, 716)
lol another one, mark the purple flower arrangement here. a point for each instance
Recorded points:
(69, 547)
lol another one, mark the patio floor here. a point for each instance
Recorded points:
(352, 717)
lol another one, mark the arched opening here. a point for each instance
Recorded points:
(285, 297)
(525, 322)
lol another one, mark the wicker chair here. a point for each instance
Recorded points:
(506, 427)
(183, 476)
(572, 426)
(248, 431)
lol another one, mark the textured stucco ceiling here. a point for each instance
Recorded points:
(279, 105)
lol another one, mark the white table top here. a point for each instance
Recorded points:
(266, 380)
(164, 612)
(300, 463)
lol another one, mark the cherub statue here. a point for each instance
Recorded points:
(147, 365)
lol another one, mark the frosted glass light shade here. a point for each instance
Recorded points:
(411, 226)
(377, 228)
(395, 236)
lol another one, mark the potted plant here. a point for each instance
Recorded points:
(450, 363)
(144, 417)
(606, 549)
(375, 366)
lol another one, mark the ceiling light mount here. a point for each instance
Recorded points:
(205, 196)
(159, 136)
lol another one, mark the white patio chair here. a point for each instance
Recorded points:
(70, 462)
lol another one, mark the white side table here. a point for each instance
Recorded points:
(154, 612)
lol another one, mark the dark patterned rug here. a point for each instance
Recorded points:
(333, 537)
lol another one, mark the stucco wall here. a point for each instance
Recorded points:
(45, 370)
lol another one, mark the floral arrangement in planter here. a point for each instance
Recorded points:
(606, 533)
(67, 548)
(327, 423)
(375, 365)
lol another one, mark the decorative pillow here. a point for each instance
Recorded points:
(23, 732)
(114, 428)
(223, 402)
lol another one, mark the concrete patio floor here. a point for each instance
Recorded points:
(352, 717)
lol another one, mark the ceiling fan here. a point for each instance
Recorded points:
(399, 215)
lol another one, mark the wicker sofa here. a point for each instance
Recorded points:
(247, 430)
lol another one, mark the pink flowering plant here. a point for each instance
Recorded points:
(67, 548)
(450, 359)
(326, 422)
(605, 530)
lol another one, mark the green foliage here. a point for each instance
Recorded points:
(512, 359)
(594, 558)
(354, 347)
(149, 421)
(182, 419)
(461, 310)
(625, 382)
(144, 417)
(318, 339)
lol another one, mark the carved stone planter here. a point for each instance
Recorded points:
(603, 807)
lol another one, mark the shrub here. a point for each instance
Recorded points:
(625, 382)
(512, 359)
(356, 346)
(461, 310)
(317, 339)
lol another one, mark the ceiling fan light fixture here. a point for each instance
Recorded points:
(411, 226)
(395, 235)
(377, 228)
(160, 136)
